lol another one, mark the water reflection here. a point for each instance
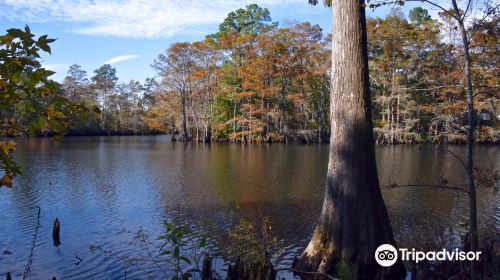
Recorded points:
(98, 186)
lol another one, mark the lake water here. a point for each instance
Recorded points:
(103, 189)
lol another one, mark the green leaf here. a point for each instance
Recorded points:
(173, 238)
(6, 39)
(203, 242)
(185, 259)
(169, 226)
(43, 43)
(44, 47)
(15, 32)
(29, 107)
(43, 39)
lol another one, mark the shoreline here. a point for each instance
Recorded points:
(291, 140)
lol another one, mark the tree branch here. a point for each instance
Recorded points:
(430, 88)
(466, 9)
(438, 6)
(480, 22)
(457, 157)
(27, 269)
(453, 188)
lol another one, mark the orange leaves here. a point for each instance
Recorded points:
(244, 133)
(198, 74)
(248, 83)
(6, 181)
(7, 148)
(298, 98)
(245, 94)
(260, 111)
(219, 126)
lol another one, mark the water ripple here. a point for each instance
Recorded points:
(104, 189)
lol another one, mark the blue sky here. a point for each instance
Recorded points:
(129, 34)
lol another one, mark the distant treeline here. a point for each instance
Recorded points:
(258, 81)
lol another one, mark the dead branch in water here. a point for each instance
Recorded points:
(437, 186)
(27, 269)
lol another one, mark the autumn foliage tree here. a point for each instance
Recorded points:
(250, 82)
(257, 81)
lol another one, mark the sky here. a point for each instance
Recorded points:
(130, 34)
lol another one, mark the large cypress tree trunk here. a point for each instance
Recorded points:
(354, 220)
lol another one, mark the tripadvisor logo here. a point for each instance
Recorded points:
(386, 255)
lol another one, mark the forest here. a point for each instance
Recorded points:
(256, 80)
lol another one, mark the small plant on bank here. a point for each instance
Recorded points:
(175, 254)
(175, 245)
(346, 271)
(252, 244)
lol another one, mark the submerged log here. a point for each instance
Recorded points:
(56, 226)
(206, 271)
(230, 273)
(271, 273)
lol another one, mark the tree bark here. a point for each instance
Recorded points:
(353, 220)
(470, 136)
(185, 135)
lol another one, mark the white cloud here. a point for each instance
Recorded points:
(129, 18)
(121, 58)
(56, 67)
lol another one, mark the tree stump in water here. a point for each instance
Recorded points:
(56, 226)
(230, 273)
(206, 271)
(244, 270)
(271, 273)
